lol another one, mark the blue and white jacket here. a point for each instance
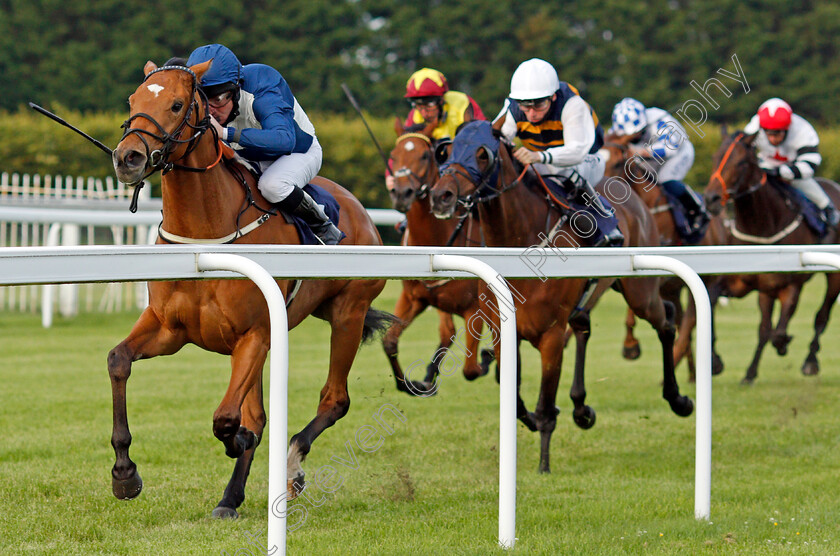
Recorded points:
(270, 123)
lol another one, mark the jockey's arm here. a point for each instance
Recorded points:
(578, 135)
(278, 135)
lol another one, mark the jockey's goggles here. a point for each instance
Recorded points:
(220, 100)
(424, 102)
(534, 104)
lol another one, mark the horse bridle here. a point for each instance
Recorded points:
(405, 171)
(727, 196)
(158, 159)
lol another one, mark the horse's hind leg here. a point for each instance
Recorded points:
(811, 366)
(765, 304)
(253, 419)
(406, 311)
(148, 338)
(347, 317)
(446, 333)
(631, 349)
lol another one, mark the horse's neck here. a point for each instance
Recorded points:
(424, 228)
(201, 204)
(513, 219)
(762, 212)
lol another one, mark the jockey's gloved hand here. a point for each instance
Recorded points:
(786, 172)
(772, 172)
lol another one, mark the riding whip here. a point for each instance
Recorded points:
(355, 104)
(53, 117)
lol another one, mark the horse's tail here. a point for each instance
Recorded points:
(376, 323)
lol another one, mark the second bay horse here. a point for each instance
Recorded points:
(514, 213)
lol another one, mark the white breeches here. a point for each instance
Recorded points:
(281, 176)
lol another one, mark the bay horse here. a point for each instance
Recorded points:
(169, 128)
(415, 168)
(622, 164)
(514, 213)
(763, 215)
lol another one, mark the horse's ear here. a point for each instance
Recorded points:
(149, 67)
(497, 125)
(201, 69)
(399, 128)
(724, 131)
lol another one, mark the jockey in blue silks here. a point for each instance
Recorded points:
(253, 109)
(561, 137)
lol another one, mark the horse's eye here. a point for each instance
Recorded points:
(177, 106)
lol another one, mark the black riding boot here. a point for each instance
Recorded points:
(607, 223)
(300, 204)
(830, 215)
(694, 211)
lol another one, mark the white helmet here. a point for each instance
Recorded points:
(628, 117)
(534, 79)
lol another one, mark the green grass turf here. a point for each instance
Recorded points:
(624, 487)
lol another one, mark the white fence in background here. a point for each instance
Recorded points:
(63, 210)
(87, 264)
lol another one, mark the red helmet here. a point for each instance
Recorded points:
(774, 114)
(426, 82)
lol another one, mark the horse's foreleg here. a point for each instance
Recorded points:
(406, 311)
(788, 299)
(253, 419)
(545, 413)
(583, 415)
(682, 344)
(642, 295)
(446, 333)
(148, 338)
(246, 361)
(347, 324)
(472, 368)
(765, 304)
(631, 348)
(811, 366)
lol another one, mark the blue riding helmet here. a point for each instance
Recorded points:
(226, 67)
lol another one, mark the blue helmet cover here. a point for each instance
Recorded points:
(226, 67)
(466, 143)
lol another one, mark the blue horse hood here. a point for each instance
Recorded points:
(226, 67)
(467, 141)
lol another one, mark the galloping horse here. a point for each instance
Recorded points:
(415, 168)
(514, 213)
(169, 129)
(763, 216)
(622, 164)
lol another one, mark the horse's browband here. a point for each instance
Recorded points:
(405, 136)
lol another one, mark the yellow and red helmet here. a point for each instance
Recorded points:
(426, 82)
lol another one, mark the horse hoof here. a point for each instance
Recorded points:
(586, 420)
(682, 406)
(631, 352)
(432, 371)
(717, 364)
(418, 389)
(294, 487)
(127, 489)
(544, 469)
(811, 368)
(781, 343)
(221, 512)
(747, 381)
(529, 421)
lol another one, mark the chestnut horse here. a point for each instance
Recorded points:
(764, 216)
(415, 168)
(514, 213)
(622, 164)
(169, 129)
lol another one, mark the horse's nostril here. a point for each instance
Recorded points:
(134, 159)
